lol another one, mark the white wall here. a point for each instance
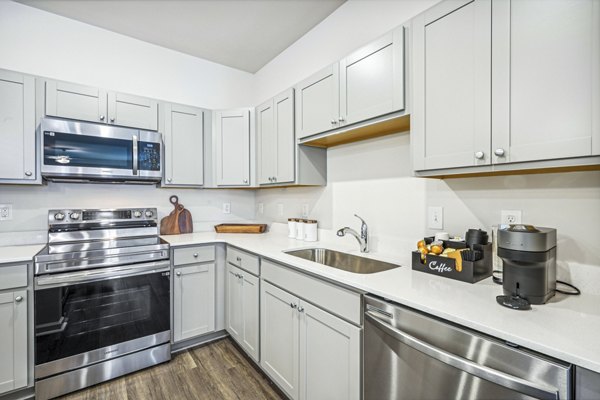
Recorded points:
(45, 44)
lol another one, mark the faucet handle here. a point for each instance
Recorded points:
(359, 217)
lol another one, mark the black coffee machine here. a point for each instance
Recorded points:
(528, 254)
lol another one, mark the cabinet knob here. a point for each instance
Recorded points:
(300, 309)
(341, 119)
(238, 259)
(169, 179)
(293, 305)
(245, 180)
(178, 273)
(102, 118)
(195, 255)
(333, 122)
(270, 179)
(479, 155)
(28, 173)
(241, 276)
(18, 299)
(499, 152)
(274, 179)
(112, 119)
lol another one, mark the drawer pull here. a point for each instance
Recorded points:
(239, 259)
(19, 299)
(195, 255)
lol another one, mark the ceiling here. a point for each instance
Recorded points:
(243, 34)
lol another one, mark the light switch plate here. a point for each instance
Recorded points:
(5, 212)
(226, 208)
(304, 210)
(435, 217)
(508, 217)
(261, 208)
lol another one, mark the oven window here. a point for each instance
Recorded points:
(69, 150)
(78, 318)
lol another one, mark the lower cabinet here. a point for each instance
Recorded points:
(242, 308)
(193, 300)
(13, 340)
(308, 352)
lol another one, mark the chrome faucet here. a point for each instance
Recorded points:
(363, 238)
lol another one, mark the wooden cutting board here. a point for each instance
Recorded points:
(179, 221)
(241, 228)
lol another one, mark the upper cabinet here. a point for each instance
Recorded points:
(183, 132)
(452, 85)
(276, 141)
(85, 103)
(366, 84)
(17, 128)
(506, 85)
(232, 137)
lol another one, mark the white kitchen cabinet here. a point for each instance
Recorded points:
(310, 353)
(242, 309)
(232, 136)
(450, 123)
(132, 111)
(318, 102)
(73, 101)
(17, 128)
(546, 79)
(13, 340)
(329, 356)
(86, 103)
(183, 132)
(372, 79)
(276, 139)
(279, 339)
(193, 300)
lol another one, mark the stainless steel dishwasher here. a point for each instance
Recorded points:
(409, 355)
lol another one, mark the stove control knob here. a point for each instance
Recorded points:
(74, 215)
(137, 213)
(149, 214)
(59, 216)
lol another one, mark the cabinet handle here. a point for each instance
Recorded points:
(479, 155)
(300, 309)
(18, 299)
(28, 173)
(195, 255)
(293, 305)
(178, 273)
(499, 152)
(102, 118)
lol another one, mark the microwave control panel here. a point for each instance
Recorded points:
(149, 156)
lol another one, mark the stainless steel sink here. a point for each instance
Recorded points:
(343, 261)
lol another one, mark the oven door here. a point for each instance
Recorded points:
(82, 318)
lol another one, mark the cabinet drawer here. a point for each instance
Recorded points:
(196, 254)
(337, 300)
(243, 260)
(13, 277)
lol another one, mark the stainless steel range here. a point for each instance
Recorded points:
(102, 291)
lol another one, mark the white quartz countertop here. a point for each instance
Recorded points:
(22, 253)
(566, 328)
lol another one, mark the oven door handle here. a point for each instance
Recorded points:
(44, 282)
(526, 387)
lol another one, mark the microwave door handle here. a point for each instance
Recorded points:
(135, 155)
(500, 378)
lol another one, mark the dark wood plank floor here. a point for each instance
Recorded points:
(214, 371)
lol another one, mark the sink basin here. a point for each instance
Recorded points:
(343, 261)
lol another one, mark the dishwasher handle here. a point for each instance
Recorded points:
(523, 386)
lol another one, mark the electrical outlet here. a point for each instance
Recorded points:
(280, 209)
(304, 210)
(435, 217)
(5, 212)
(226, 208)
(261, 208)
(510, 217)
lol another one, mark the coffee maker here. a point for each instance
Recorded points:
(528, 254)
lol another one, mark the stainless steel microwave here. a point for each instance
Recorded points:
(83, 151)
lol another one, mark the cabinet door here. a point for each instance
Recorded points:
(329, 356)
(318, 102)
(235, 306)
(279, 337)
(546, 81)
(132, 111)
(372, 79)
(13, 340)
(184, 145)
(68, 100)
(194, 301)
(233, 148)
(251, 321)
(17, 126)
(267, 142)
(286, 142)
(452, 85)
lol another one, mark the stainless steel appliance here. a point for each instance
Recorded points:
(102, 295)
(528, 256)
(83, 151)
(410, 355)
